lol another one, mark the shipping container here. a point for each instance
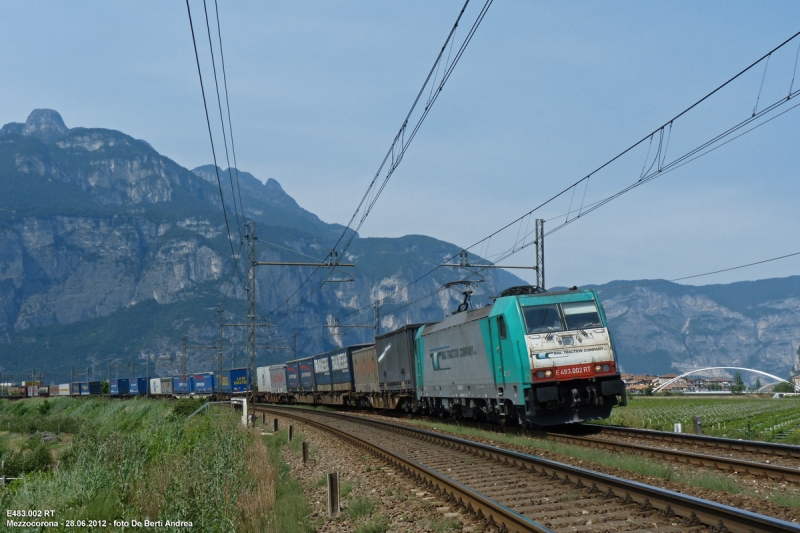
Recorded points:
(342, 367)
(365, 370)
(22, 391)
(277, 379)
(305, 370)
(166, 385)
(137, 386)
(203, 383)
(262, 379)
(32, 391)
(53, 390)
(322, 372)
(31, 384)
(155, 386)
(237, 380)
(75, 389)
(395, 353)
(63, 389)
(119, 387)
(94, 387)
(181, 385)
(292, 377)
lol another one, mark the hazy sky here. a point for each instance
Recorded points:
(545, 93)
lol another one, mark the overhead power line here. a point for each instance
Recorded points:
(211, 138)
(648, 174)
(400, 143)
(699, 275)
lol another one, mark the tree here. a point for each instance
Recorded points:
(758, 383)
(783, 387)
(738, 384)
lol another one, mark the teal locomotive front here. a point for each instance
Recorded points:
(533, 359)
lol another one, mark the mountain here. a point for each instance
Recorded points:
(665, 327)
(110, 252)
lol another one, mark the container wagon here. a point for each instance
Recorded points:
(119, 387)
(181, 385)
(271, 382)
(137, 386)
(203, 383)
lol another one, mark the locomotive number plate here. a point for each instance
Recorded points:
(573, 371)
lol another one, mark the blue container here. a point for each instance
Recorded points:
(238, 379)
(181, 385)
(292, 377)
(322, 372)
(305, 369)
(342, 367)
(119, 387)
(93, 387)
(203, 383)
(138, 386)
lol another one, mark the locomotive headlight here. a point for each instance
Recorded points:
(606, 368)
(597, 368)
(540, 374)
(548, 373)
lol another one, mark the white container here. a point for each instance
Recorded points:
(277, 378)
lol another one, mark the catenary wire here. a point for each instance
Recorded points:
(211, 138)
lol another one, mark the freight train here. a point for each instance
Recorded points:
(530, 358)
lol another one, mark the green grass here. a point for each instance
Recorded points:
(138, 458)
(360, 507)
(378, 524)
(737, 417)
(291, 511)
(346, 487)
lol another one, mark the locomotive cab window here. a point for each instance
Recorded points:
(501, 327)
(542, 318)
(581, 315)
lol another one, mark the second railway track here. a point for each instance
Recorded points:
(521, 492)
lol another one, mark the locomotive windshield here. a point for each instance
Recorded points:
(570, 316)
(542, 318)
(581, 315)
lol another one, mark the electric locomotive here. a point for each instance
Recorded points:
(531, 358)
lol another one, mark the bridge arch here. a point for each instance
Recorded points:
(673, 380)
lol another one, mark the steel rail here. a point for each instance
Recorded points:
(694, 511)
(456, 493)
(712, 461)
(771, 448)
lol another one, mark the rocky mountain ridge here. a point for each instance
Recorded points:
(110, 252)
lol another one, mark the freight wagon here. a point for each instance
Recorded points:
(271, 381)
(181, 385)
(159, 386)
(119, 387)
(203, 383)
(138, 386)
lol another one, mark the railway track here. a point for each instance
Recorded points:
(769, 449)
(520, 492)
(728, 464)
(687, 449)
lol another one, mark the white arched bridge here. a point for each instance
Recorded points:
(673, 380)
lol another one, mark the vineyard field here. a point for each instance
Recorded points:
(735, 417)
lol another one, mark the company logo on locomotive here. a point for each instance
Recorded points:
(439, 355)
